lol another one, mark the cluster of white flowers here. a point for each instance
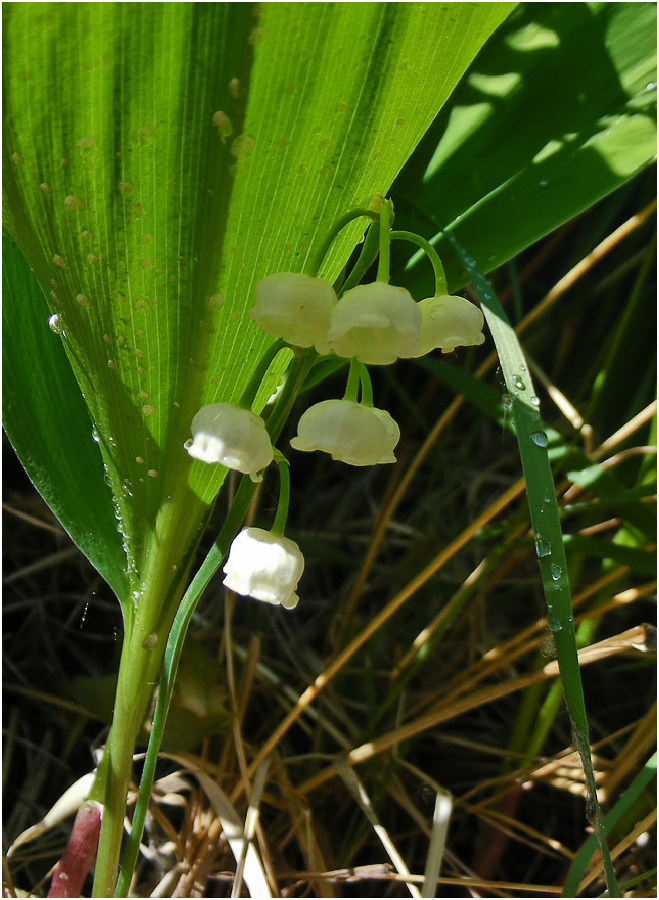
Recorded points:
(375, 324)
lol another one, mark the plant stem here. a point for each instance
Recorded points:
(299, 370)
(279, 525)
(441, 286)
(352, 385)
(367, 387)
(313, 265)
(250, 392)
(137, 672)
(385, 237)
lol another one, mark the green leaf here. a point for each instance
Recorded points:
(558, 110)
(47, 421)
(543, 507)
(160, 159)
(626, 803)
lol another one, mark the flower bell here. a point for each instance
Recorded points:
(233, 436)
(264, 566)
(352, 433)
(449, 322)
(375, 323)
(295, 307)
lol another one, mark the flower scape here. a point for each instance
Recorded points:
(369, 324)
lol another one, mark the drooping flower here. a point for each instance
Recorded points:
(264, 566)
(449, 322)
(295, 307)
(233, 436)
(375, 323)
(352, 433)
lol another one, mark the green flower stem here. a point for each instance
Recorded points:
(279, 525)
(138, 672)
(367, 387)
(385, 238)
(313, 265)
(367, 257)
(352, 385)
(235, 517)
(441, 286)
(250, 392)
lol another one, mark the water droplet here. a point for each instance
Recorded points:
(542, 547)
(556, 572)
(535, 401)
(553, 620)
(95, 436)
(74, 204)
(150, 641)
(507, 401)
(152, 473)
(112, 364)
(518, 383)
(55, 324)
(650, 86)
(234, 88)
(59, 261)
(188, 444)
(547, 498)
(539, 438)
(139, 459)
(543, 182)
(148, 409)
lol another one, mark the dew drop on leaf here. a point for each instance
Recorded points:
(518, 383)
(542, 546)
(55, 324)
(539, 438)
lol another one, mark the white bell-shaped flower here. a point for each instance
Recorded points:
(352, 433)
(264, 566)
(449, 322)
(375, 323)
(295, 307)
(233, 436)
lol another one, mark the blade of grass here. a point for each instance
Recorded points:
(545, 519)
(583, 857)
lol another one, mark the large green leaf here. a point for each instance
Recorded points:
(160, 159)
(558, 110)
(32, 405)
